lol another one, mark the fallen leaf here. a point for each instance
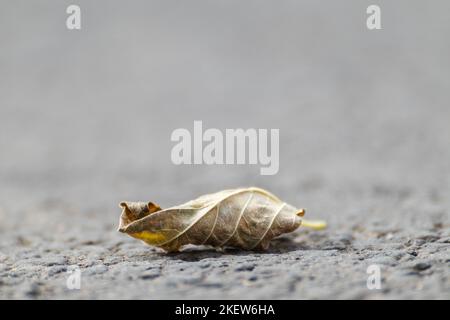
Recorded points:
(245, 218)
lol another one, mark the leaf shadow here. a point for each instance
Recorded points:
(198, 253)
(310, 240)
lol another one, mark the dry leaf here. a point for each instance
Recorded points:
(246, 218)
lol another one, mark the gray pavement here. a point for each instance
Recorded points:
(86, 118)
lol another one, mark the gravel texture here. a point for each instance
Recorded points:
(86, 118)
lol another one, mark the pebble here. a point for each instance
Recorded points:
(33, 290)
(150, 274)
(245, 267)
(53, 261)
(55, 270)
(422, 265)
(97, 269)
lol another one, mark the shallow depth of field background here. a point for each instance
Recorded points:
(86, 118)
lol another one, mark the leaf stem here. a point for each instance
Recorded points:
(314, 224)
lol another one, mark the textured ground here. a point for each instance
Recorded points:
(86, 118)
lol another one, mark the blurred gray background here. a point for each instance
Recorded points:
(86, 118)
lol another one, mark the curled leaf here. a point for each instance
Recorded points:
(246, 218)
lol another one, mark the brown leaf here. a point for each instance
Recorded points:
(246, 218)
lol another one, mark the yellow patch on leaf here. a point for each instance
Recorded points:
(152, 238)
